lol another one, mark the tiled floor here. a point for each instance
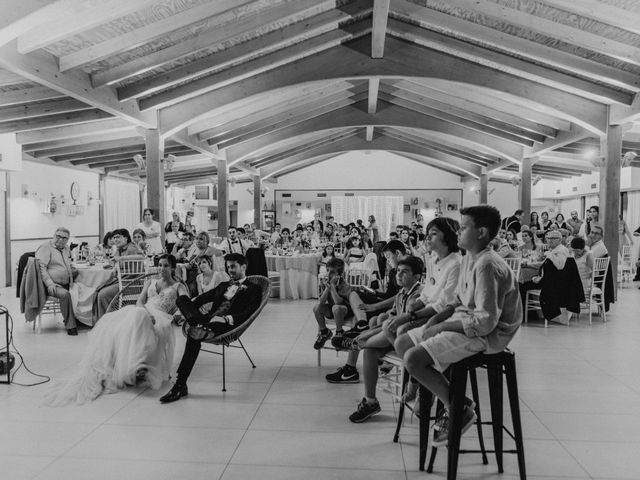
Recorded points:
(579, 388)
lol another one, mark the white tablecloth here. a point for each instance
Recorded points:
(84, 289)
(298, 275)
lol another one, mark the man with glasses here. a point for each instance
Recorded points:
(598, 249)
(57, 274)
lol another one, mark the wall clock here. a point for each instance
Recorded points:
(75, 191)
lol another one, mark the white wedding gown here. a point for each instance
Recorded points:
(122, 343)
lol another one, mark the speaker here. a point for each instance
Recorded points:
(7, 362)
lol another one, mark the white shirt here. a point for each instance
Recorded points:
(236, 246)
(558, 256)
(599, 250)
(154, 245)
(440, 285)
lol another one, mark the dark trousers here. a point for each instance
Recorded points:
(192, 348)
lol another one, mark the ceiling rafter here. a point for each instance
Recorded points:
(41, 67)
(400, 60)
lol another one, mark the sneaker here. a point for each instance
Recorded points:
(365, 411)
(345, 342)
(359, 327)
(441, 428)
(346, 374)
(322, 339)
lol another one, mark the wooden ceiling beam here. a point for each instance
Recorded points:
(355, 116)
(112, 125)
(563, 138)
(509, 64)
(41, 67)
(80, 142)
(144, 34)
(27, 95)
(479, 108)
(88, 147)
(78, 16)
(240, 128)
(300, 166)
(253, 68)
(402, 59)
(40, 109)
(379, 27)
(455, 115)
(321, 21)
(619, 17)
(288, 120)
(25, 15)
(511, 44)
(227, 122)
(564, 33)
(306, 144)
(48, 121)
(454, 119)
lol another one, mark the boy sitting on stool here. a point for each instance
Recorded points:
(484, 317)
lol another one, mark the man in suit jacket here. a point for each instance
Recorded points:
(232, 303)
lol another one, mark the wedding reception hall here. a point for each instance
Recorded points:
(361, 239)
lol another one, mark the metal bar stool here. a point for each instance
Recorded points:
(424, 412)
(496, 364)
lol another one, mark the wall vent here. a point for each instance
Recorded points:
(594, 186)
(349, 194)
(322, 195)
(286, 195)
(558, 192)
(574, 189)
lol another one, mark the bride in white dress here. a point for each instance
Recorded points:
(130, 346)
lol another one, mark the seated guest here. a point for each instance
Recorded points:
(233, 243)
(244, 234)
(404, 238)
(394, 236)
(106, 292)
(208, 279)
(327, 254)
(366, 304)
(584, 261)
(559, 221)
(355, 253)
(182, 247)
(201, 248)
(175, 220)
(512, 241)
(172, 237)
(333, 302)
(574, 224)
(57, 274)
(189, 226)
(232, 303)
(124, 244)
(275, 236)
(286, 242)
(501, 246)
(139, 238)
(598, 249)
(328, 233)
(559, 281)
(377, 344)
(484, 317)
(107, 244)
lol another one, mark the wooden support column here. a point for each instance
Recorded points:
(155, 176)
(8, 261)
(484, 188)
(223, 198)
(525, 189)
(257, 199)
(611, 149)
(102, 189)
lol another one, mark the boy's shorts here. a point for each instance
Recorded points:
(446, 348)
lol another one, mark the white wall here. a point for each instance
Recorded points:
(358, 170)
(503, 196)
(29, 190)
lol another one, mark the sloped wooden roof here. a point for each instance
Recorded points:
(273, 86)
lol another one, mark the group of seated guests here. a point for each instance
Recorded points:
(467, 304)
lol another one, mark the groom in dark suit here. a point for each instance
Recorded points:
(232, 302)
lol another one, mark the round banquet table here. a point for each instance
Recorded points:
(298, 274)
(84, 288)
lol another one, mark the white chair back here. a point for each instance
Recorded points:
(128, 268)
(358, 278)
(514, 265)
(599, 273)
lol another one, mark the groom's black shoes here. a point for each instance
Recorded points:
(176, 393)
